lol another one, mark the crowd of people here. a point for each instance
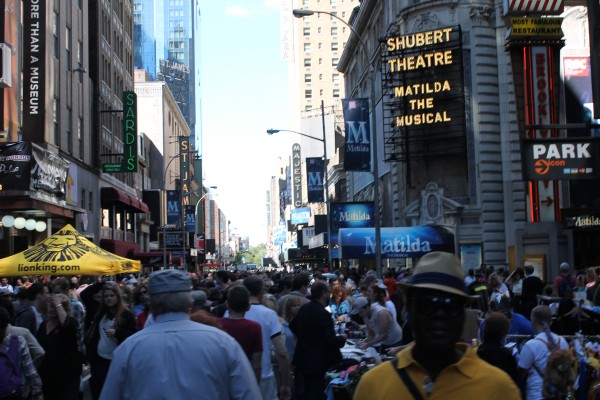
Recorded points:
(270, 336)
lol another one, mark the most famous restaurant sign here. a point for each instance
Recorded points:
(424, 78)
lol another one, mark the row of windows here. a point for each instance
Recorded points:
(308, 93)
(333, 31)
(335, 78)
(334, 47)
(308, 62)
(334, 3)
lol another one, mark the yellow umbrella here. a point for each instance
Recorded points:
(66, 253)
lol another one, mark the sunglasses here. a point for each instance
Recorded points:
(429, 305)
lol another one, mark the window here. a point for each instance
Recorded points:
(321, 92)
(320, 77)
(307, 78)
(333, 2)
(82, 199)
(307, 62)
(80, 137)
(334, 30)
(334, 47)
(55, 120)
(68, 47)
(335, 61)
(69, 131)
(304, 2)
(320, 61)
(336, 93)
(55, 33)
(308, 94)
(335, 78)
(319, 30)
(333, 17)
(320, 45)
(306, 31)
(307, 48)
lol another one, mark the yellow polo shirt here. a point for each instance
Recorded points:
(470, 378)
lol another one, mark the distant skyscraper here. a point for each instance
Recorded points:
(167, 43)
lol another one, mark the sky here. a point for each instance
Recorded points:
(244, 92)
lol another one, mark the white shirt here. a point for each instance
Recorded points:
(536, 352)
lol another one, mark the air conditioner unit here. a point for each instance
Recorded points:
(5, 63)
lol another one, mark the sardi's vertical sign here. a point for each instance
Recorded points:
(130, 150)
(34, 69)
(423, 84)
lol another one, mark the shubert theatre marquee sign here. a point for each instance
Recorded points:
(424, 86)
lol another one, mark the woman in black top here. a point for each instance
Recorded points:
(492, 349)
(61, 368)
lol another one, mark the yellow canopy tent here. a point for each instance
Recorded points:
(66, 253)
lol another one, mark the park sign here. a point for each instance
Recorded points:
(560, 159)
(130, 140)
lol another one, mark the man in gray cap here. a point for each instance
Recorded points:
(437, 365)
(176, 358)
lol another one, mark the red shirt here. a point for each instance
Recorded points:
(247, 333)
(390, 283)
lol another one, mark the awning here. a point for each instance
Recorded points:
(109, 195)
(123, 249)
(152, 257)
(401, 242)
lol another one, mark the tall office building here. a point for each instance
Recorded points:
(319, 42)
(167, 46)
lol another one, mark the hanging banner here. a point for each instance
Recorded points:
(15, 166)
(48, 173)
(357, 155)
(173, 204)
(200, 243)
(314, 177)
(190, 218)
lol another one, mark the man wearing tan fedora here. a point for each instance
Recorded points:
(437, 365)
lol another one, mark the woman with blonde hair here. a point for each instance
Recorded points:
(290, 310)
(112, 324)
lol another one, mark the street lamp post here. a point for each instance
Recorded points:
(202, 216)
(325, 174)
(300, 13)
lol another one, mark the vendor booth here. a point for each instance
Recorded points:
(66, 253)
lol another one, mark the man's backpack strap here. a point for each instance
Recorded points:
(407, 381)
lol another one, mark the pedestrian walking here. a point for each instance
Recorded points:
(176, 358)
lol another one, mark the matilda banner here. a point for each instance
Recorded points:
(314, 178)
(357, 156)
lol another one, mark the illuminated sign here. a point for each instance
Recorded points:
(536, 27)
(423, 87)
(297, 174)
(130, 152)
(352, 215)
(553, 159)
(581, 218)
